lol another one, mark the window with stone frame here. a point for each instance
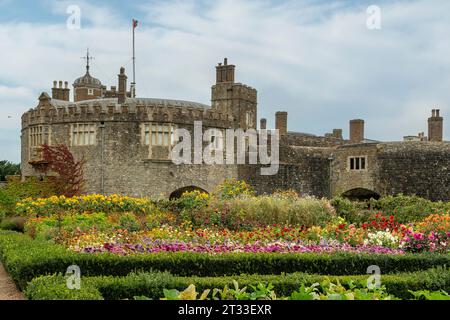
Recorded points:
(357, 163)
(38, 135)
(159, 134)
(83, 134)
(90, 92)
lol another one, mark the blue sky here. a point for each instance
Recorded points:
(315, 59)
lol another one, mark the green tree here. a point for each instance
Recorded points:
(7, 169)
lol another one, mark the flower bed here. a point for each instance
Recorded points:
(90, 203)
(154, 246)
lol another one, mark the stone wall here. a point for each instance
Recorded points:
(421, 168)
(303, 169)
(344, 179)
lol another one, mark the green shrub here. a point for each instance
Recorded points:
(409, 208)
(248, 212)
(55, 288)
(351, 211)
(13, 223)
(129, 222)
(15, 191)
(152, 285)
(232, 188)
(50, 227)
(26, 259)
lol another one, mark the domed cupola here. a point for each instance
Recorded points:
(87, 87)
(87, 80)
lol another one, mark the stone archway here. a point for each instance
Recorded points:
(361, 194)
(177, 193)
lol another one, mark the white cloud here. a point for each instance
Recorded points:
(316, 60)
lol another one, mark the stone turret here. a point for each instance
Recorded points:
(233, 98)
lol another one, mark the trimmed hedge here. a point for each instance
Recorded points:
(26, 259)
(151, 285)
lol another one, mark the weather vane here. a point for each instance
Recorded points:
(87, 58)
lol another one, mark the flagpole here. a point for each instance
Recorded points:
(133, 91)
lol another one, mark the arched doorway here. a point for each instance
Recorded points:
(360, 194)
(177, 193)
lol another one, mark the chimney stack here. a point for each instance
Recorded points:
(225, 72)
(337, 133)
(356, 130)
(263, 124)
(435, 126)
(122, 93)
(281, 122)
(60, 93)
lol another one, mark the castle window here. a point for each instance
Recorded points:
(357, 163)
(36, 136)
(159, 134)
(83, 134)
(90, 92)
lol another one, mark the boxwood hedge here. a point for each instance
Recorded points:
(26, 259)
(151, 285)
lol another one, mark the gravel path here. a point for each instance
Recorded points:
(8, 290)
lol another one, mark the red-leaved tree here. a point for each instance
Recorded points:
(69, 179)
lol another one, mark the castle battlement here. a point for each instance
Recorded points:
(100, 110)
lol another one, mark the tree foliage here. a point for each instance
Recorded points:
(8, 169)
(69, 179)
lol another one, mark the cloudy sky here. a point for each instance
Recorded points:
(317, 60)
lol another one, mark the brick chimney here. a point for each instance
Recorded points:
(435, 126)
(281, 122)
(60, 93)
(356, 130)
(122, 90)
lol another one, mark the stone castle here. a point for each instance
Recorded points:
(127, 142)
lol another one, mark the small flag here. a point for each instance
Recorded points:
(135, 23)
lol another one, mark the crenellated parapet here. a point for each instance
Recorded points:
(141, 110)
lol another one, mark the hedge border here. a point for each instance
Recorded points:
(151, 285)
(25, 259)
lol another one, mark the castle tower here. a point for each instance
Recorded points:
(356, 130)
(233, 98)
(435, 126)
(87, 87)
